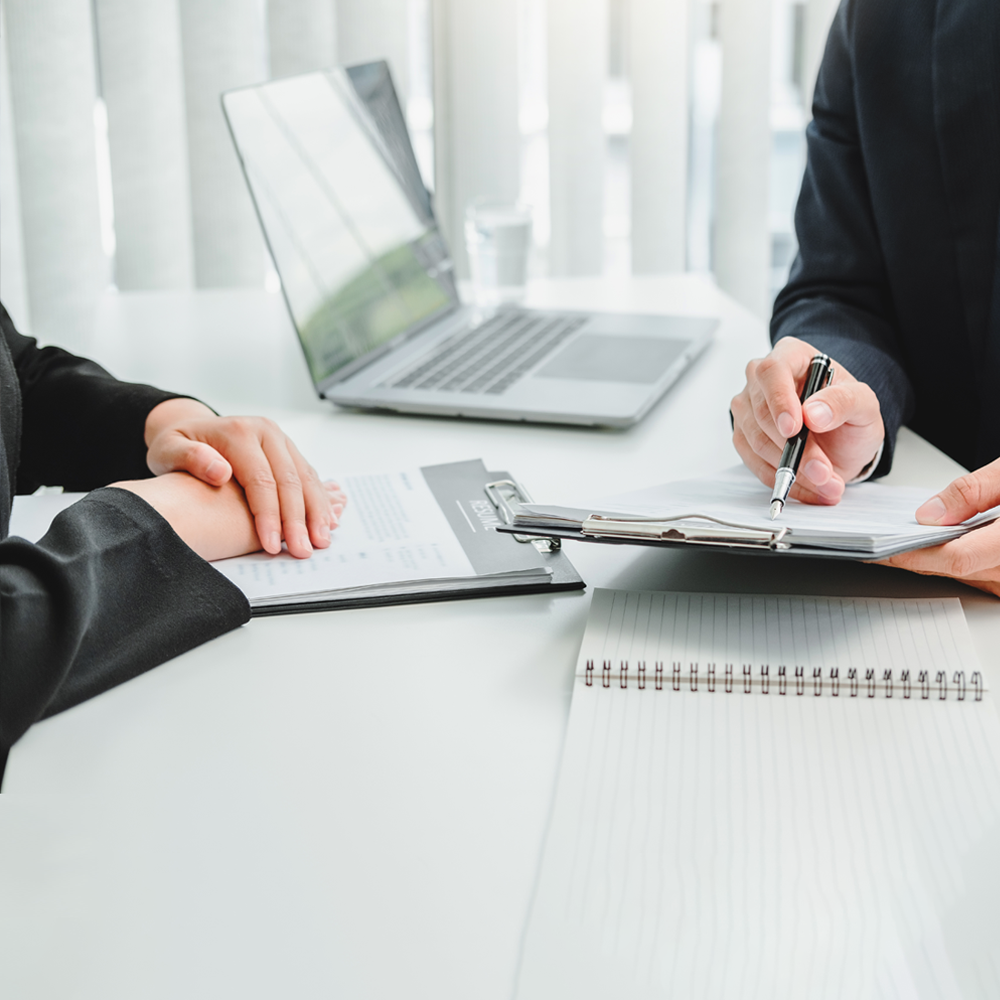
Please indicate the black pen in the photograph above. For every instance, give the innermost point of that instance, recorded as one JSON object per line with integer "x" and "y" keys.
{"x": 819, "y": 377}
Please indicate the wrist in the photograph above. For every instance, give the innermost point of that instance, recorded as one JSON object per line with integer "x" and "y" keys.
{"x": 867, "y": 470}
{"x": 214, "y": 521}
{"x": 171, "y": 412}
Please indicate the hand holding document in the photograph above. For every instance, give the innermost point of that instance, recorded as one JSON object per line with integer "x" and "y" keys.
{"x": 731, "y": 510}
{"x": 974, "y": 559}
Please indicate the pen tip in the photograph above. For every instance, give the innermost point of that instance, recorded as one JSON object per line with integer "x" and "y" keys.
{"x": 776, "y": 506}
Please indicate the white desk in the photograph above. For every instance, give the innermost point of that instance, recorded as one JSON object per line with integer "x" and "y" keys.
{"x": 352, "y": 804}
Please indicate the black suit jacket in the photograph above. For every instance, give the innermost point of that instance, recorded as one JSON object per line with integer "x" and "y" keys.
{"x": 898, "y": 220}
{"x": 111, "y": 590}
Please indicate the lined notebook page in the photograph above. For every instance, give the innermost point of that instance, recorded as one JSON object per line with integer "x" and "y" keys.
{"x": 730, "y": 845}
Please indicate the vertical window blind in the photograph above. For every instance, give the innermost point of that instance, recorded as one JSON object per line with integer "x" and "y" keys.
{"x": 669, "y": 127}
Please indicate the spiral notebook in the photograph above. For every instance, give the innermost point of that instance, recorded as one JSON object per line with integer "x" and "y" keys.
{"x": 767, "y": 797}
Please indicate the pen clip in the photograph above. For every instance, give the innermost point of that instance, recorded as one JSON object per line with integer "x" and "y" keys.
{"x": 819, "y": 376}
{"x": 507, "y": 495}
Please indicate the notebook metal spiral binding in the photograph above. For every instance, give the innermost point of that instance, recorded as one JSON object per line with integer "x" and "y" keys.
{"x": 821, "y": 682}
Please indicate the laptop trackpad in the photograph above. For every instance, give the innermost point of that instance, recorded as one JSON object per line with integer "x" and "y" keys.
{"x": 614, "y": 359}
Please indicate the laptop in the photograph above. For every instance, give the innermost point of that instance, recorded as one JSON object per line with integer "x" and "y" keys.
{"x": 370, "y": 284}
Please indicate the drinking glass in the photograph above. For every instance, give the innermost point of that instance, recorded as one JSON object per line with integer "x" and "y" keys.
{"x": 498, "y": 239}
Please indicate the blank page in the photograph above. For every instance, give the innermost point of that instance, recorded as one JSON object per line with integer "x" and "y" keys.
{"x": 750, "y": 845}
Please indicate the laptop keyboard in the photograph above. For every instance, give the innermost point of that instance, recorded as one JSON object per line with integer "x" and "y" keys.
{"x": 489, "y": 358}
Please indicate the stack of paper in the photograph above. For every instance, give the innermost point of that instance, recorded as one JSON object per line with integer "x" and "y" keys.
{"x": 872, "y": 520}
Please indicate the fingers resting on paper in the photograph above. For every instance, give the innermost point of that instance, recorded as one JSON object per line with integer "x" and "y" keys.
{"x": 844, "y": 421}
{"x": 975, "y": 557}
{"x": 284, "y": 493}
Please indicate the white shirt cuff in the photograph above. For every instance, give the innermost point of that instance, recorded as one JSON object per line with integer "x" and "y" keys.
{"x": 869, "y": 469}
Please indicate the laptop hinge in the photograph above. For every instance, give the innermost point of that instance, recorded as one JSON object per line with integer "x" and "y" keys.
{"x": 360, "y": 364}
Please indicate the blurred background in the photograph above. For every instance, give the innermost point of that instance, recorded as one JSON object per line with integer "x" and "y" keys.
{"x": 650, "y": 136}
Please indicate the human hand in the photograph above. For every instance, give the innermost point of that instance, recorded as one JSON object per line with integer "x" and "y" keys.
{"x": 215, "y": 521}
{"x": 844, "y": 421}
{"x": 975, "y": 557}
{"x": 283, "y": 491}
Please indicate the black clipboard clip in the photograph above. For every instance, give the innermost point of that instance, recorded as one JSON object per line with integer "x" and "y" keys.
{"x": 507, "y": 495}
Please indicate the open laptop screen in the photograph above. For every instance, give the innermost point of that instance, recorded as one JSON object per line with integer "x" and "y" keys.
{"x": 345, "y": 214}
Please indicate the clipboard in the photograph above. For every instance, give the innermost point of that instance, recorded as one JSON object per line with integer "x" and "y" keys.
{"x": 705, "y": 531}
{"x": 477, "y": 503}
{"x": 728, "y": 512}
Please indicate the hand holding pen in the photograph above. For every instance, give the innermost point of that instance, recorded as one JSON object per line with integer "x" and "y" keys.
{"x": 843, "y": 419}
{"x": 819, "y": 377}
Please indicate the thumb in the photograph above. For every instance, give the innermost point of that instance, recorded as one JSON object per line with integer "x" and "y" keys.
{"x": 968, "y": 495}
{"x": 174, "y": 452}
{"x": 851, "y": 402}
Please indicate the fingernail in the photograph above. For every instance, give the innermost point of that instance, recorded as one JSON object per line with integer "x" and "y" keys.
{"x": 820, "y": 415}
{"x": 215, "y": 469}
{"x": 818, "y": 472}
{"x": 273, "y": 542}
{"x": 932, "y": 512}
{"x": 786, "y": 424}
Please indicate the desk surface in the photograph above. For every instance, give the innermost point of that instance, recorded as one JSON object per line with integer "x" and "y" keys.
{"x": 353, "y": 803}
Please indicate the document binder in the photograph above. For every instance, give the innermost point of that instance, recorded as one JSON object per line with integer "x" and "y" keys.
{"x": 730, "y": 512}
{"x": 456, "y": 531}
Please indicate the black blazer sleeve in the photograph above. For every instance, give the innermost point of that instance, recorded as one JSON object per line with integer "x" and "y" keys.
{"x": 108, "y": 593}
{"x": 111, "y": 590}
{"x": 80, "y": 427}
{"x": 838, "y": 294}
